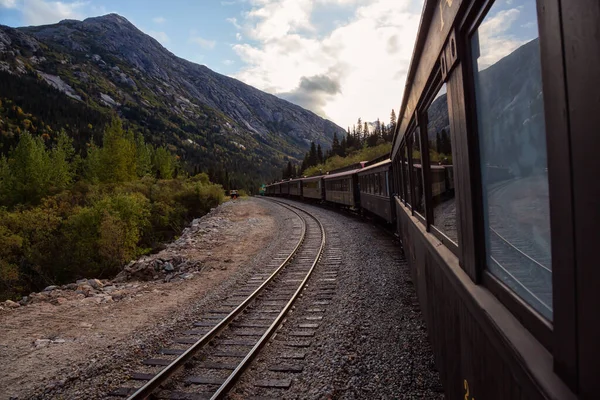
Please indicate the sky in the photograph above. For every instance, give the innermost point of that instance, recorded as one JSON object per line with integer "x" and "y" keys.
{"x": 342, "y": 59}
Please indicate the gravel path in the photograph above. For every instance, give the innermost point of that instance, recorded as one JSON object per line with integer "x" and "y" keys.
{"x": 371, "y": 342}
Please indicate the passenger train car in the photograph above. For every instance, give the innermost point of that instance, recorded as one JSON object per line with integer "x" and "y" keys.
{"x": 374, "y": 187}
{"x": 491, "y": 188}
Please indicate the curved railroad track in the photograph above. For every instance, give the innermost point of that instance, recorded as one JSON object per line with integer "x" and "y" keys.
{"x": 224, "y": 341}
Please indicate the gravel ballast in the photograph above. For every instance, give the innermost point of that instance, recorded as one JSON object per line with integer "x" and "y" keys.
{"x": 371, "y": 342}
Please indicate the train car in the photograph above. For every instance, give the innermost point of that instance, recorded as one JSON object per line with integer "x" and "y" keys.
{"x": 313, "y": 188}
{"x": 284, "y": 189}
{"x": 375, "y": 190}
{"x": 295, "y": 188}
{"x": 488, "y": 136}
{"x": 342, "y": 188}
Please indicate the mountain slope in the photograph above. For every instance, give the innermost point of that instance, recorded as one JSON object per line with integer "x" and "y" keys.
{"x": 108, "y": 65}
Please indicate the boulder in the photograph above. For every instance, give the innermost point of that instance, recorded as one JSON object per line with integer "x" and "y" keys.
{"x": 11, "y": 304}
{"x": 60, "y": 300}
{"x": 95, "y": 283}
{"x": 50, "y": 288}
{"x": 168, "y": 267}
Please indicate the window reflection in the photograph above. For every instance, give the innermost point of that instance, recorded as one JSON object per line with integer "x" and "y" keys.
{"x": 440, "y": 165}
{"x": 405, "y": 174}
{"x": 417, "y": 172}
{"x": 510, "y": 114}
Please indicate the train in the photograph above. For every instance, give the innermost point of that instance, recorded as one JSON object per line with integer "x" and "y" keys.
{"x": 489, "y": 187}
{"x": 364, "y": 188}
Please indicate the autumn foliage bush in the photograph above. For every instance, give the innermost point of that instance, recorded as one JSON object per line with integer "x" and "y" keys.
{"x": 66, "y": 217}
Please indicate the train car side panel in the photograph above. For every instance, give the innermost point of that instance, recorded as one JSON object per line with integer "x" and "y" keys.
{"x": 312, "y": 188}
{"x": 478, "y": 344}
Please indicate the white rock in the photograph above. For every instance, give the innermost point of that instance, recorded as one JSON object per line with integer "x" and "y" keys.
{"x": 42, "y": 343}
{"x": 11, "y": 304}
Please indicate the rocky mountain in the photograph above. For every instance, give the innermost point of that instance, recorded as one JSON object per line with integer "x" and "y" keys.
{"x": 105, "y": 66}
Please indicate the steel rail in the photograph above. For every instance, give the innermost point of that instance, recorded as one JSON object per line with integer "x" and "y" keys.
{"x": 147, "y": 389}
{"x": 520, "y": 251}
{"x": 230, "y": 381}
{"x": 514, "y": 278}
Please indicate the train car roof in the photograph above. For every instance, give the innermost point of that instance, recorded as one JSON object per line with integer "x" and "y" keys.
{"x": 312, "y": 178}
{"x": 341, "y": 174}
{"x": 379, "y": 164}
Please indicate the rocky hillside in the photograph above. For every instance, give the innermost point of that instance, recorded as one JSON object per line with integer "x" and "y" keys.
{"x": 105, "y": 65}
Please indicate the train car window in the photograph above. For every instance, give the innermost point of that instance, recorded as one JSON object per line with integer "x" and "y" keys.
{"x": 406, "y": 175}
{"x": 417, "y": 174}
{"x": 512, "y": 140}
{"x": 440, "y": 166}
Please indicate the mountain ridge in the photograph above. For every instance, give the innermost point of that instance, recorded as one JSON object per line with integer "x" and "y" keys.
{"x": 111, "y": 66}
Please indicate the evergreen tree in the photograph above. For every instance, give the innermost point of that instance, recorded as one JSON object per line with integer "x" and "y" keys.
{"x": 392, "y": 122}
{"x": 374, "y": 137}
{"x": 319, "y": 154}
{"x": 335, "y": 145}
{"x": 63, "y": 163}
{"x": 143, "y": 157}
{"x": 289, "y": 171}
{"x": 359, "y": 132}
{"x": 349, "y": 138}
{"x": 312, "y": 155}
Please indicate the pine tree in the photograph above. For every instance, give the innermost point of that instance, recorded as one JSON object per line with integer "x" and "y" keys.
{"x": 359, "y": 132}
{"x": 62, "y": 163}
{"x": 143, "y": 157}
{"x": 289, "y": 171}
{"x": 335, "y": 145}
{"x": 392, "y": 122}
{"x": 312, "y": 155}
{"x": 348, "y": 140}
{"x": 319, "y": 154}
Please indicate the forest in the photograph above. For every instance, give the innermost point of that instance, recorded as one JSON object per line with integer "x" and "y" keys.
{"x": 360, "y": 144}
{"x": 68, "y": 214}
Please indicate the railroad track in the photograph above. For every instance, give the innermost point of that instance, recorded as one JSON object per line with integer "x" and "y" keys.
{"x": 524, "y": 274}
{"x": 208, "y": 359}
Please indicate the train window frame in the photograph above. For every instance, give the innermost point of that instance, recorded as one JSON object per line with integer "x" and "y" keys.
{"x": 416, "y": 133}
{"x": 403, "y": 174}
{"x": 540, "y": 327}
{"x": 430, "y": 92}
{"x": 408, "y": 170}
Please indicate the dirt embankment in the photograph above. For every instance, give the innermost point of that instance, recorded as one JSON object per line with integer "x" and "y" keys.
{"x": 69, "y": 328}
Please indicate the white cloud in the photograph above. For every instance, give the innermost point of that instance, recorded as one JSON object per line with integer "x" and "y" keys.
{"x": 495, "y": 40}
{"x": 159, "y": 20}
{"x": 162, "y": 37}
{"x": 228, "y": 62}
{"x": 41, "y": 12}
{"x": 204, "y": 43}
{"x": 356, "y": 70}
{"x": 8, "y": 3}
{"x": 234, "y": 22}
